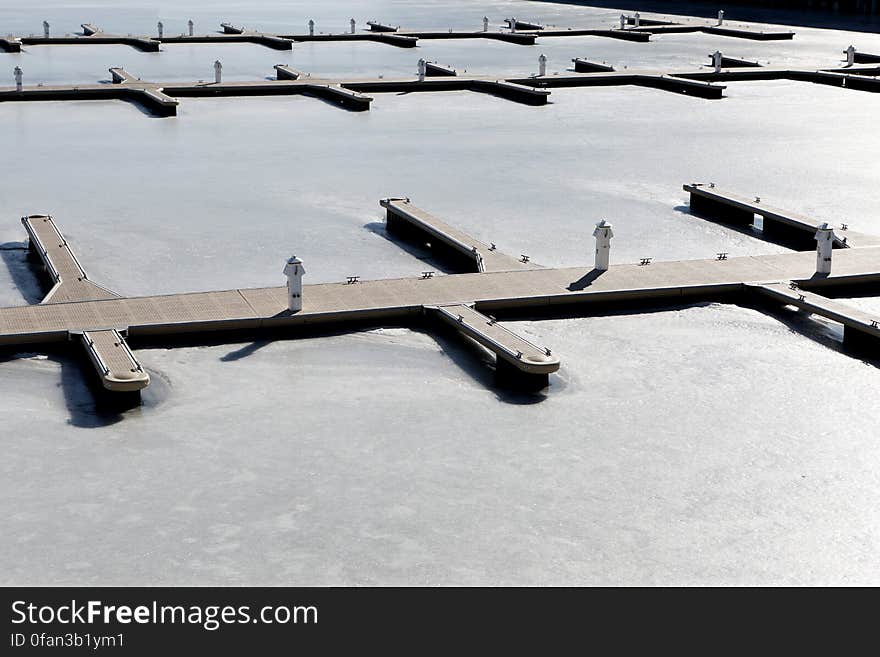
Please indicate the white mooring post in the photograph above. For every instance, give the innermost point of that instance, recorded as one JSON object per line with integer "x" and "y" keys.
{"x": 46, "y": 29}
{"x": 294, "y": 270}
{"x": 18, "y": 78}
{"x": 513, "y": 25}
{"x": 622, "y": 22}
{"x": 603, "y": 235}
{"x": 542, "y": 64}
{"x": 311, "y": 27}
{"x": 160, "y": 28}
{"x": 721, "y": 17}
{"x": 824, "y": 247}
{"x": 190, "y": 25}
{"x": 636, "y": 19}
{"x": 716, "y": 61}
{"x": 485, "y": 23}
{"x": 218, "y": 72}
{"x": 352, "y": 23}
{"x": 850, "y": 55}
{"x": 423, "y": 69}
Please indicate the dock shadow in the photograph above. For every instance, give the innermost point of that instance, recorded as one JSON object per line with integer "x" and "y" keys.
{"x": 89, "y": 404}
{"x": 795, "y": 243}
{"x": 805, "y": 324}
{"x": 423, "y": 254}
{"x": 15, "y": 256}
{"x": 477, "y": 363}
{"x": 245, "y": 351}
{"x": 144, "y": 109}
{"x": 584, "y": 281}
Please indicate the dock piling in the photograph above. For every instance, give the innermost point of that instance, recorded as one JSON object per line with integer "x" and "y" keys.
{"x": 485, "y": 23}
{"x": 160, "y": 29}
{"x": 850, "y": 55}
{"x": 352, "y": 24}
{"x": 542, "y": 65}
{"x": 218, "y": 72}
{"x": 423, "y": 69}
{"x": 311, "y": 27}
{"x": 720, "y": 17}
{"x": 637, "y": 19}
{"x": 603, "y": 235}
{"x": 46, "y": 29}
{"x": 717, "y": 58}
{"x": 622, "y": 22}
{"x": 18, "y": 77}
{"x": 824, "y": 248}
{"x": 190, "y": 25}
{"x": 294, "y": 271}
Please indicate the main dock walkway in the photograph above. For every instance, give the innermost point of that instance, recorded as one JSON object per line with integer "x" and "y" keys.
{"x": 525, "y": 33}
{"x": 335, "y": 304}
{"x": 500, "y": 284}
{"x": 161, "y": 97}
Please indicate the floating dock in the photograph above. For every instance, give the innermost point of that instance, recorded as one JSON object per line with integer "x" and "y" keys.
{"x": 115, "y": 364}
{"x": 515, "y": 292}
{"x": 516, "y": 359}
{"x": 690, "y": 25}
{"x": 69, "y": 281}
{"x": 515, "y": 24}
{"x": 635, "y": 78}
{"x": 160, "y": 98}
{"x": 499, "y": 284}
{"x": 10, "y": 44}
{"x": 861, "y": 330}
{"x": 711, "y": 202}
{"x": 526, "y": 33}
{"x": 467, "y": 253}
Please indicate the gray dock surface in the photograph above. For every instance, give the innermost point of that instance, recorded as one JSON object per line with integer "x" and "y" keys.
{"x": 69, "y": 280}
{"x": 114, "y": 362}
{"x": 335, "y": 304}
{"x": 518, "y": 352}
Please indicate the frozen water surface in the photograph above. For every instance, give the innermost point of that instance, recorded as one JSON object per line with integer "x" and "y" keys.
{"x": 710, "y": 444}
